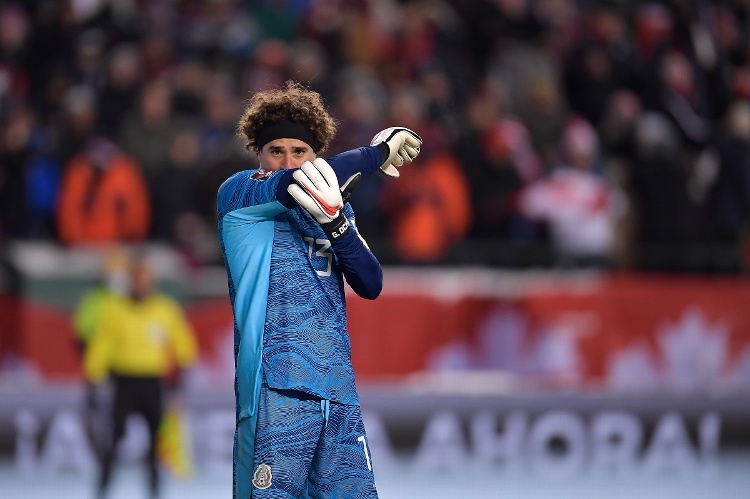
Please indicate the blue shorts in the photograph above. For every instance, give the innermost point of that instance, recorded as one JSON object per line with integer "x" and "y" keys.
{"x": 304, "y": 447}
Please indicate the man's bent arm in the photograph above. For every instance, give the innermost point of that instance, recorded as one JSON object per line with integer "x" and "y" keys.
{"x": 365, "y": 160}
{"x": 361, "y": 269}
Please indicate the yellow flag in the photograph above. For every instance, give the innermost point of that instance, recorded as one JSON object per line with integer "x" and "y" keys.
{"x": 173, "y": 445}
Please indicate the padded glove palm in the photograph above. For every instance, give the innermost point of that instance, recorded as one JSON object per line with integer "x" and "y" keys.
{"x": 316, "y": 190}
{"x": 403, "y": 146}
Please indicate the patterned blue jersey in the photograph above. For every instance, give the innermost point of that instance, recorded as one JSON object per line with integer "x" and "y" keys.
{"x": 287, "y": 294}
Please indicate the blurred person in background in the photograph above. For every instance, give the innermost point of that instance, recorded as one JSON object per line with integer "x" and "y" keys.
{"x": 289, "y": 244}
{"x": 729, "y": 26}
{"x": 89, "y": 59}
{"x": 267, "y": 67}
{"x": 174, "y": 185}
{"x": 503, "y": 165}
{"x": 122, "y": 85}
{"x": 653, "y": 27}
{"x": 361, "y": 102}
{"x": 441, "y": 94}
{"x": 600, "y": 62}
{"x": 42, "y": 174}
{"x": 147, "y": 131}
{"x": 157, "y": 46}
{"x": 580, "y": 207}
{"x": 190, "y": 80}
{"x": 29, "y": 178}
{"x": 496, "y": 153}
{"x": 279, "y": 19}
{"x": 113, "y": 283}
{"x": 666, "y": 216}
{"x": 680, "y": 68}
{"x": 428, "y": 212}
{"x": 15, "y": 151}
{"x": 178, "y": 218}
{"x": 15, "y": 58}
{"x": 103, "y": 198}
{"x": 681, "y": 99}
{"x": 529, "y": 68}
{"x": 729, "y": 198}
{"x": 76, "y": 123}
{"x": 76, "y": 65}
{"x": 217, "y": 130}
{"x": 618, "y": 126}
{"x": 617, "y": 131}
{"x": 50, "y": 47}
{"x": 142, "y": 342}
{"x": 310, "y": 64}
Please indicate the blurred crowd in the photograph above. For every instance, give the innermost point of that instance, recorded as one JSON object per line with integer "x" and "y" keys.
{"x": 614, "y": 133}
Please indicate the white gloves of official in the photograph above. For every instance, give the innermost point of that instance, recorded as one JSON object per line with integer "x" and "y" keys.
{"x": 403, "y": 145}
{"x": 316, "y": 190}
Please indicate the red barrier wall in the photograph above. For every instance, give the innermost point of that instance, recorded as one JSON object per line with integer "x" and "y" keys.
{"x": 558, "y": 333}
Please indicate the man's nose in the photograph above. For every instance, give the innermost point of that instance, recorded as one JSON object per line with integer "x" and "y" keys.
{"x": 289, "y": 161}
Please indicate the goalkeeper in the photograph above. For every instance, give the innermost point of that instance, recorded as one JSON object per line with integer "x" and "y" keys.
{"x": 290, "y": 241}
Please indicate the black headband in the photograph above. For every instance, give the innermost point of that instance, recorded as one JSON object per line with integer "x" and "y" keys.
{"x": 285, "y": 129}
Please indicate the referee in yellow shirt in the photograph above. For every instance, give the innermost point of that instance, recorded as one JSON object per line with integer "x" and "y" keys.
{"x": 141, "y": 338}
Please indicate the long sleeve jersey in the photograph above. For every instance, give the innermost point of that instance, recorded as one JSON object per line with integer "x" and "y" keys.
{"x": 286, "y": 285}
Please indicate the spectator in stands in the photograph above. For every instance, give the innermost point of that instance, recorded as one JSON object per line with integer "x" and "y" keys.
{"x": 77, "y": 122}
{"x": 730, "y": 194}
{"x": 178, "y": 217}
{"x": 617, "y": 126}
{"x": 190, "y": 79}
{"x": 580, "y": 207}
{"x": 89, "y": 68}
{"x": 29, "y": 177}
{"x": 600, "y": 63}
{"x": 121, "y": 87}
{"x": 148, "y": 130}
{"x": 15, "y": 151}
{"x": 15, "y": 62}
{"x": 429, "y": 210}
{"x": 221, "y": 109}
{"x": 77, "y": 66}
{"x": 682, "y": 101}
{"x": 361, "y": 102}
{"x": 311, "y": 65}
{"x": 158, "y": 50}
{"x": 103, "y": 198}
{"x": 504, "y": 164}
{"x": 174, "y": 185}
{"x": 140, "y": 340}
{"x": 533, "y": 77}
{"x": 617, "y": 131}
{"x": 668, "y": 217}
{"x": 267, "y": 67}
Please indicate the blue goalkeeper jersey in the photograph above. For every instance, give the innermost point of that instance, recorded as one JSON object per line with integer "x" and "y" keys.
{"x": 287, "y": 292}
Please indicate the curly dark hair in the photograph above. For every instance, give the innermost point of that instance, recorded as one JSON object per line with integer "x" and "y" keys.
{"x": 294, "y": 101}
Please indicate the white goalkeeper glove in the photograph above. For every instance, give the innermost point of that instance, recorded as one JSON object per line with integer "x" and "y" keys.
{"x": 403, "y": 146}
{"x": 316, "y": 190}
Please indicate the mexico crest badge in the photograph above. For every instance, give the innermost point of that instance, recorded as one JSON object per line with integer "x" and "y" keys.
{"x": 262, "y": 476}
